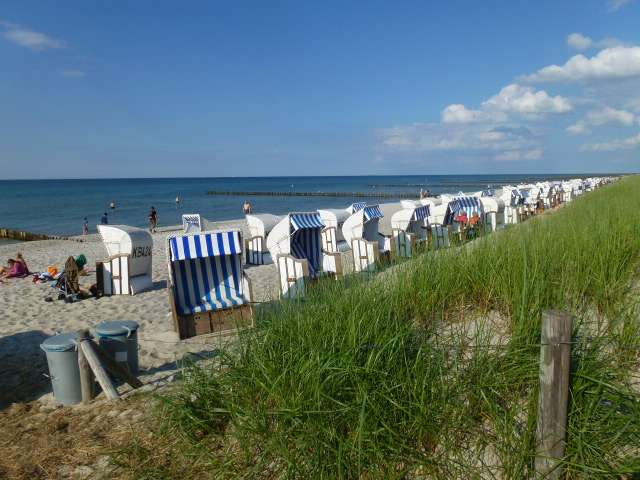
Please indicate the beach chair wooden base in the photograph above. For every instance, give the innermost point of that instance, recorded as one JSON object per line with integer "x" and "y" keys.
{"x": 403, "y": 244}
{"x": 218, "y": 321}
{"x": 293, "y": 274}
{"x": 332, "y": 264}
{"x": 366, "y": 255}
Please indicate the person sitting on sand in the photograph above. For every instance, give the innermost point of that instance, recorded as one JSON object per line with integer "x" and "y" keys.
{"x": 16, "y": 270}
{"x": 462, "y": 218}
{"x": 7, "y": 267}
{"x": 20, "y": 258}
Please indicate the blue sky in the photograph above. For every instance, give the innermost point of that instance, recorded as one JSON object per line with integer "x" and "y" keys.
{"x": 154, "y": 88}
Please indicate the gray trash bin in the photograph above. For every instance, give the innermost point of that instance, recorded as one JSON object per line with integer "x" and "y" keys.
{"x": 62, "y": 357}
{"x": 120, "y": 339}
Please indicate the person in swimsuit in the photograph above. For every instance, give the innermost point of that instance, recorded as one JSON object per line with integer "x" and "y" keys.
{"x": 153, "y": 220}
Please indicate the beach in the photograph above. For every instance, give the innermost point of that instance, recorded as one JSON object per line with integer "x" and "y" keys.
{"x": 27, "y": 319}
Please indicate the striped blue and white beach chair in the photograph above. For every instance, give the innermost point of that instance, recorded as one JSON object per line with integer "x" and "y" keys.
{"x": 460, "y": 204}
{"x": 296, "y": 245}
{"x": 208, "y": 289}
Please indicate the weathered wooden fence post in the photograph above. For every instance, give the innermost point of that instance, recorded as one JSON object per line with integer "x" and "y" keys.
{"x": 555, "y": 364}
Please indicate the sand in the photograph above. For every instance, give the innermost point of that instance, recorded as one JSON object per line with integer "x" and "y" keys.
{"x": 27, "y": 319}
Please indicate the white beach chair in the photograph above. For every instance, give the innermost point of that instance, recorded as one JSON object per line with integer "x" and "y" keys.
{"x": 127, "y": 270}
{"x": 409, "y": 228}
{"x": 332, "y": 238}
{"x": 360, "y": 230}
{"x": 259, "y": 227}
{"x": 296, "y": 245}
{"x": 208, "y": 290}
{"x": 191, "y": 223}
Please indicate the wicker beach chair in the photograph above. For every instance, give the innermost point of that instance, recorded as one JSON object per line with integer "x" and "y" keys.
{"x": 409, "y": 229}
{"x": 296, "y": 245}
{"x": 208, "y": 289}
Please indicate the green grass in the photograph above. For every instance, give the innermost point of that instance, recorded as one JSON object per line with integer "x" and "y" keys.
{"x": 380, "y": 378}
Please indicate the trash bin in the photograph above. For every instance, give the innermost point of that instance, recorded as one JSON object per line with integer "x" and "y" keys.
{"x": 120, "y": 339}
{"x": 62, "y": 358}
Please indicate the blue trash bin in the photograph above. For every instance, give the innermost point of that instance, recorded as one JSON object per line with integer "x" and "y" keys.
{"x": 120, "y": 339}
{"x": 62, "y": 358}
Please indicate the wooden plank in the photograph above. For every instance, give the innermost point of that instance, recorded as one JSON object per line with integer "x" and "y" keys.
{"x": 101, "y": 375}
{"x": 87, "y": 380}
{"x": 555, "y": 364}
{"x": 115, "y": 367}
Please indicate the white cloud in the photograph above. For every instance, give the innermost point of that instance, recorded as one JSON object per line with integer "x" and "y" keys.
{"x": 28, "y": 38}
{"x": 578, "y": 128}
{"x": 515, "y": 98}
{"x": 458, "y": 113}
{"x": 579, "y": 41}
{"x": 73, "y": 73}
{"x": 610, "y": 63}
{"x": 615, "y": 5}
{"x": 600, "y": 117}
{"x": 493, "y": 130}
{"x": 620, "y": 144}
{"x": 515, "y": 155}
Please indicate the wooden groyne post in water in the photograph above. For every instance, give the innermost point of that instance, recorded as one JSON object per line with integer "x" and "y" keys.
{"x": 317, "y": 194}
{"x": 31, "y": 237}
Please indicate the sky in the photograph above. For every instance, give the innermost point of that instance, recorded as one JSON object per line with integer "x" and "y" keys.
{"x": 163, "y": 89}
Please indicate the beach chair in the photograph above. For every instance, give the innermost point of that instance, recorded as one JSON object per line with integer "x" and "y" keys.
{"x": 360, "y": 230}
{"x": 127, "y": 270}
{"x": 332, "y": 238}
{"x": 259, "y": 228}
{"x": 296, "y": 245}
{"x": 208, "y": 290}
{"x": 409, "y": 228}
{"x": 191, "y": 223}
{"x": 468, "y": 204}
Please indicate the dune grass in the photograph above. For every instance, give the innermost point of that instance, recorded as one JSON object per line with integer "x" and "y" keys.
{"x": 429, "y": 369}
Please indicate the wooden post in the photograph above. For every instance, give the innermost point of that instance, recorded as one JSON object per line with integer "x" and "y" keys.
{"x": 103, "y": 379}
{"x": 555, "y": 364}
{"x": 87, "y": 380}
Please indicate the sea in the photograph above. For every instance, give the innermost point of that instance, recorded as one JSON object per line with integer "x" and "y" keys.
{"x": 58, "y": 207}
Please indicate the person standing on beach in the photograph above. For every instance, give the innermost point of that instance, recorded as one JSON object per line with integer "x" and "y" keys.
{"x": 247, "y": 208}
{"x": 104, "y": 220}
{"x": 112, "y": 205}
{"x": 85, "y": 227}
{"x": 153, "y": 220}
